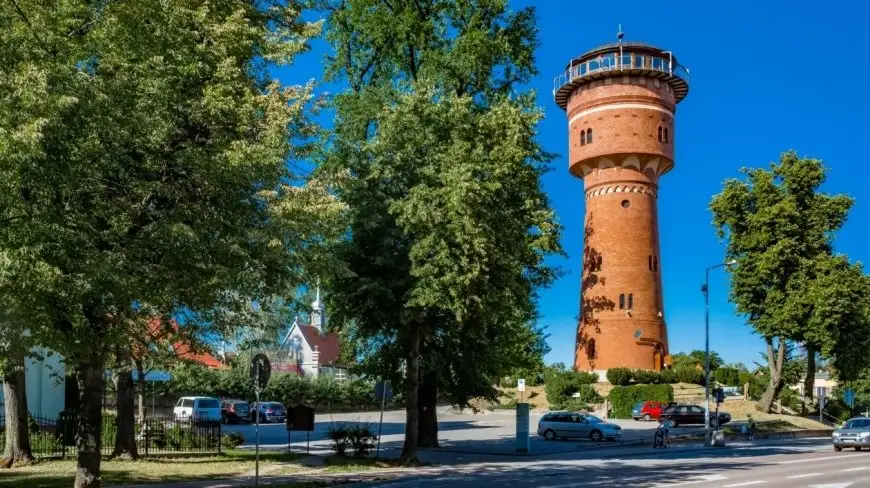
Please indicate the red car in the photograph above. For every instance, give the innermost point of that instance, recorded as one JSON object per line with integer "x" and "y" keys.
{"x": 648, "y": 410}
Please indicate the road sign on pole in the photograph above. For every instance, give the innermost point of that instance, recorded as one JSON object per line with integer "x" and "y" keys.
{"x": 382, "y": 391}
{"x": 521, "y": 384}
{"x": 261, "y": 371}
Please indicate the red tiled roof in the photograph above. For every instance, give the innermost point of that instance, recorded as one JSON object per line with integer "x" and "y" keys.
{"x": 158, "y": 333}
{"x": 328, "y": 345}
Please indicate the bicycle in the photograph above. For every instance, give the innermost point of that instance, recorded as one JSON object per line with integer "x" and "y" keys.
{"x": 661, "y": 439}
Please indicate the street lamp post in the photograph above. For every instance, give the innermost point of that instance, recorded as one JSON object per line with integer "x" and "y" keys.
{"x": 706, "y": 290}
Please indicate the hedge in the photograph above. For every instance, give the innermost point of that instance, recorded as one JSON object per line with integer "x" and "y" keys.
{"x": 623, "y": 398}
{"x": 325, "y": 393}
{"x": 620, "y": 376}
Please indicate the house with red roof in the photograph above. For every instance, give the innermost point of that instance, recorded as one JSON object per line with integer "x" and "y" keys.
{"x": 307, "y": 349}
{"x": 184, "y": 348}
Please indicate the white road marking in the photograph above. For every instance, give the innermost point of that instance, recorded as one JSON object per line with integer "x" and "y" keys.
{"x": 801, "y": 461}
{"x": 832, "y": 485}
{"x": 745, "y": 483}
{"x": 862, "y": 468}
{"x": 806, "y": 475}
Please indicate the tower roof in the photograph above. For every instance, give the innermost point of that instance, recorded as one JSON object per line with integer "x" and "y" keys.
{"x": 621, "y": 59}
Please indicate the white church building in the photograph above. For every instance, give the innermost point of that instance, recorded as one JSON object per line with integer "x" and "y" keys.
{"x": 307, "y": 349}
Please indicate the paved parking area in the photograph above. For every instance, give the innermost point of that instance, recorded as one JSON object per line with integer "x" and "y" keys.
{"x": 491, "y": 433}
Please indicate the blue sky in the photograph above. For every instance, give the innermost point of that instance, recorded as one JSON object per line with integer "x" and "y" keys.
{"x": 765, "y": 77}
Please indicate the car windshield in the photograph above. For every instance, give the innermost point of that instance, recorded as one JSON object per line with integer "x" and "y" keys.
{"x": 858, "y": 424}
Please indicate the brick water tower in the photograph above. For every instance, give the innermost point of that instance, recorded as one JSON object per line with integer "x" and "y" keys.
{"x": 620, "y": 100}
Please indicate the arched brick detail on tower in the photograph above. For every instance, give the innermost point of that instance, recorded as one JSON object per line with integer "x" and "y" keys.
{"x": 629, "y": 106}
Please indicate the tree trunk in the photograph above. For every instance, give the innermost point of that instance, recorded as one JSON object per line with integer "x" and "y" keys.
{"x": 412, "y": 382}
{"x": 428, "y": 401}
{"x": 140, "y": 388}
{"x": 810, "y": 380}
{"x": 17, "y": 451}
{"x": 89, "y": 429}
{"x": 125, "y": 420}
{"x": 775, "y": 362}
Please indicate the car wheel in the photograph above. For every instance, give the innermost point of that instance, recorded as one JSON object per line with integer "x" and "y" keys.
{"x": 549, "y": 435}
{"x": 646, "y": 417}
{"x": 838, "y": 448}
{"x": 596, "y": 436}
{"x": 858, "y": 448}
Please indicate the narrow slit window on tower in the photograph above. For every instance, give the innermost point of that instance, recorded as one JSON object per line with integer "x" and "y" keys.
{"x": 590, "y": 349}
{"x": 666, "y": 135}
{"x": 622, "y": 301}
{"x": 650, "y": 262}
{"x": 598, "y": 263}
{"x": 655, "y": 264}
{"x": 583, "y": 137}
{"x": 589, "y": 135}
{"x": 630, "y": 301}
{"x": 660, "y": 134}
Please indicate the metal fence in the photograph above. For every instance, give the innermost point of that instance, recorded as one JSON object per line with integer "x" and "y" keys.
{"x": 55, "y": 437}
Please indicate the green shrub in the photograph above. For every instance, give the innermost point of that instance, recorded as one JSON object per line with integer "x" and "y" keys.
{"x": 727, "y": 376}
{"x": 360, "y": 438}
{"x": 562, "y": 385}
{"x": 688, "y": 374}
{"x": 232, "y": 440}
{"x": 623, "y": 398}
{"x": 620, "y": 376}
{"x": 647, "y": 377}
{"x": 587, "y": 395}
{"x": 186, "y": 439}
{"x": 668, "y": 377}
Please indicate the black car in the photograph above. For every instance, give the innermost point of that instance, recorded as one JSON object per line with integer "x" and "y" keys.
{"x": 269, "y": 412}
{"x": 692, "y": 415}
{"x": 234, "y": 411}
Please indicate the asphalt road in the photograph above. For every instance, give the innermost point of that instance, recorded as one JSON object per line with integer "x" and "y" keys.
{"x": 799, "y": 464}
{"x": 493, "y": 433}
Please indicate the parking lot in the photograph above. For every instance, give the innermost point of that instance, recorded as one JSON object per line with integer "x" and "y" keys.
{"x": 490, "y": 433}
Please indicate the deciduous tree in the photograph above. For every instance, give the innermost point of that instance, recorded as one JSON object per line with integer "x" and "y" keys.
{"x": 141, "y": 147}
{"x": 779, "y": 228}
{"x": 449, "y": 225}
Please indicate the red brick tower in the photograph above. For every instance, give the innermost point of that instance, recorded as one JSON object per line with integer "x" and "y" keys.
{"x": 620, "y": 101}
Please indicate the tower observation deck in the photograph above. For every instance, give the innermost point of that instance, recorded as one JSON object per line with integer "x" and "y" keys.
{"x": 620, "y": 100}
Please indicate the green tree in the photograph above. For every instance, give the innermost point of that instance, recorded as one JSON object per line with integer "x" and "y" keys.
{"x": 779, "y": 228}
{"x": 449, "y": 225}
{"x": 143, "y": 150}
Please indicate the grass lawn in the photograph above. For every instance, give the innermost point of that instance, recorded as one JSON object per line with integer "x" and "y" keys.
{"x": 60, "y": 474}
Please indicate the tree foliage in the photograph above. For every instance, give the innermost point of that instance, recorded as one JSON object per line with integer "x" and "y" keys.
{"x": 143, "y": 151}
{"x": 449, "y": 226}
{"x": 779, "y": 228}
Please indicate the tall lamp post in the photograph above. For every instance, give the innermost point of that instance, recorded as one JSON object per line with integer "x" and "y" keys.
{"x": 706, "y": 290}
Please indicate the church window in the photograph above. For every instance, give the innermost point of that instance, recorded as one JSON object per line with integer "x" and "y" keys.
{"x": 583, "y": 137}
{"x": 622, "y": 301}
{"x": 589, "y": 135}
{"x": 630, "y": 301}
{"x": 590, "y": 350}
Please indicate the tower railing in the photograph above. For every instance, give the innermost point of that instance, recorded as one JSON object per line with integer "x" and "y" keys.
{"x": 626, "y": 62}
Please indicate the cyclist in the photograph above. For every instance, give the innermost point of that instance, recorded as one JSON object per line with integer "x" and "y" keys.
{"x": 661, "y": 436}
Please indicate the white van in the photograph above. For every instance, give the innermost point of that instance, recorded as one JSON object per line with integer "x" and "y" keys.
{"x": 200, "y": 409}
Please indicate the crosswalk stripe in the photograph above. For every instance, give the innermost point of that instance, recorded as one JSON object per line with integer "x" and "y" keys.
{"x": 806, "y": 475}
{"x": 745, "y": 483}
{"x": 861, "y": 468}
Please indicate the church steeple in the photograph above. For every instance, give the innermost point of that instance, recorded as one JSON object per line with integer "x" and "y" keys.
{"x": 317, "y": 311}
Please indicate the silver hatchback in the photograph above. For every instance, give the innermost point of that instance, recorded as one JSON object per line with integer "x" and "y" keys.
{"x": 854, "y": 433}
{"x": 565, "y": 425}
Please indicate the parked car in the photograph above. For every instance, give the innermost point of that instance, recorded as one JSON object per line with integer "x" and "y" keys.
{"x": 649, "y": 410}
{"x": 565, "y": 425}
{"x": 233, "y": 411}
{"x": 200, "y": 409}
{"x": 692, "y": 415}
{"x": 854, "y": 433}
{"x": 269, "y": 412}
